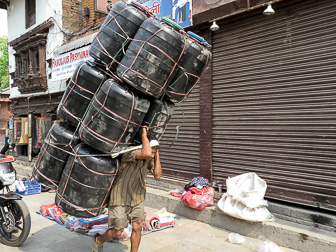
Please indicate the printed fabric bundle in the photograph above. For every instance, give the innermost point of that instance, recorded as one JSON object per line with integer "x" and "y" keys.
{"x": 51, "y": 211}
{"x": 160, "y": 220}
{"x": 198, "y": 194}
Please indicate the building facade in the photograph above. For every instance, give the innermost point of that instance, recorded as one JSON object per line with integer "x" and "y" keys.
{"x": 39, "y": 33}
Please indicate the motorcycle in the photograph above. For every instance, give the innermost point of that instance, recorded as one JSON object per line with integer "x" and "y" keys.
{"x": 15, "y": 219}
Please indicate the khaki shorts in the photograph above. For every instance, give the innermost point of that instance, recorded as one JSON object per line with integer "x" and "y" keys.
{"x": 120, "y": 216}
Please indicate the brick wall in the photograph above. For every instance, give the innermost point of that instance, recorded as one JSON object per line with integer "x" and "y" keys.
{"x": 74, "y": 18}
{"x": 72, "y": 15}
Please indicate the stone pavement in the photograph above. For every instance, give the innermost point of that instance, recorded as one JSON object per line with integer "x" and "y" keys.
{"x": 188, "y": 236}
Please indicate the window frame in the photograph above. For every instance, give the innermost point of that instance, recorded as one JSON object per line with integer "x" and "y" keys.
{"x": 30, "y": 14}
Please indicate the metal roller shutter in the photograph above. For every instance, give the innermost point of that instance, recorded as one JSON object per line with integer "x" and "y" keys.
{"x": 181, "y": 161}
{"x": 274, "y": 101}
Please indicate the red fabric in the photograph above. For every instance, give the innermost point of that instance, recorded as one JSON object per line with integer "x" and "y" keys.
{"x": 44, "y": 209}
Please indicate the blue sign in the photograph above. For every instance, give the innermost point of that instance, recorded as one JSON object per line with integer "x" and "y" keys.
{"x": 176, "y": 10}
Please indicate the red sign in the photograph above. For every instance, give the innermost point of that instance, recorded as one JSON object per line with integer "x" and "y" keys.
{"x": 7, "y": 159}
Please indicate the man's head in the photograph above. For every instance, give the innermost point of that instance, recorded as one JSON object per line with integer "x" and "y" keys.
{"x": 154, "y": 144}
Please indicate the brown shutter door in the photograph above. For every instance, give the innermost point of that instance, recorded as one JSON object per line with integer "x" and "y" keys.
{"x": 181, "y": 161}
{"x": 274, "y": 101}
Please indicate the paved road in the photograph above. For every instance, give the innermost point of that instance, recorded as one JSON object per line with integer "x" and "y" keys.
{"x": 187, "y": 236}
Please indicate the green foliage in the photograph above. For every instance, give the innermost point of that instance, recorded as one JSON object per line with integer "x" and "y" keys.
{"x": 4, "y": 69}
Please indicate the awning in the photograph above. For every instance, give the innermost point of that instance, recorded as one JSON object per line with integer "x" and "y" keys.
{"x": 75, "y": 44}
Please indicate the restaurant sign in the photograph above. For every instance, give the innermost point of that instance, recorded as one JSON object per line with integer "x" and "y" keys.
{"x": 64, "y": 65}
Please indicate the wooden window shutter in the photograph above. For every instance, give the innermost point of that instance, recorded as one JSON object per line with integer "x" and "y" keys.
{"x": 30, "y": 13}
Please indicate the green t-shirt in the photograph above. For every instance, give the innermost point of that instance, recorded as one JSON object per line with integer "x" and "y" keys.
{"x": 129, "y": 187}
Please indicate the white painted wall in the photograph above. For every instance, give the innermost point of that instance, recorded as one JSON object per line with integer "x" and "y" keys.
{"x": 45, "y": 10}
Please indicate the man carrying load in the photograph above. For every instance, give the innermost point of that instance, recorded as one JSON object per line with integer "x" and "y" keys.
{"x": 128, "y": 193}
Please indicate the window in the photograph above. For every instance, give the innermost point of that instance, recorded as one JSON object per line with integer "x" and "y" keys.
{"x": 30, "y": 13}
{"x": 101, "y": 5}
{"x": 30, "y": 60}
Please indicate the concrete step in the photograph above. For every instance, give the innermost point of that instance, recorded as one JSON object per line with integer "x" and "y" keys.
{"x": 283, "y": 233}
{"x": 305, "y": 216}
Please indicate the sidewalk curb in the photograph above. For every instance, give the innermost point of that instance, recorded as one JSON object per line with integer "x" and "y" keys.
{"x": 283, "y": 233}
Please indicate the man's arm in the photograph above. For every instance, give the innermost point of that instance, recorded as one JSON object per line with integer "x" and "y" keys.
{"x": 157, "y": 166}
{"x": 146, "y": 151}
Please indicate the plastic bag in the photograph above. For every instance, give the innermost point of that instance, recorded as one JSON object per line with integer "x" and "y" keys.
{"x": 176, "y": 192}
{"x": 198, "y": 201}
{"x": 126, "y": 234}
{"x": 264, "y": 245}
{"x": 19, "y": 185}
{"x": 163, "y": 216}
{"x": 236, "y": 238}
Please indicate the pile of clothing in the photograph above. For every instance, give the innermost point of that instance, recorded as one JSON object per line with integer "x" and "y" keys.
{"x": 91, "y": 226}
{"x": 198, "y": 194}
{"x": 160, "y": 220}
{"x": 84, "y": 225}
{"x": 52, "y": 212}
{"x": 79, "y": 225}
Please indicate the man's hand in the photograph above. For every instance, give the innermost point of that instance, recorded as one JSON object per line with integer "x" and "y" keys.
{"x": 146, "y": 151}
{"x": 145, "y": 131}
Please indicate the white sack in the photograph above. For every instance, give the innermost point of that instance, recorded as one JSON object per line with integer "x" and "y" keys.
{"x": 244, "y": 198}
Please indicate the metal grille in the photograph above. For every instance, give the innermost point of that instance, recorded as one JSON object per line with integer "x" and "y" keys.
{"x": 274, "y": 101}
{"x": 181, "y": 161}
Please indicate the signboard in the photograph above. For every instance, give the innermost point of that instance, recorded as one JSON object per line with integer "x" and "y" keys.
{"x": 64, "y": 65}
{"x": 179, "y": 11}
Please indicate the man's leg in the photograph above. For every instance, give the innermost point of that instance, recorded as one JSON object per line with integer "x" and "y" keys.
{"x": 108, "y": 236}
{"x": 117, "y": 219}
{"x": 136, "y": 235}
